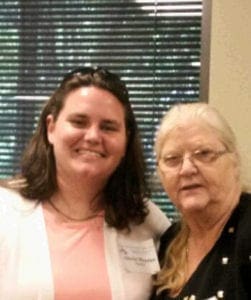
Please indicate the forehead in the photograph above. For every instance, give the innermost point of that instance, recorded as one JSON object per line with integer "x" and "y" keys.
{"x": 192, "y": 134}
{"x": 93, "y": 100}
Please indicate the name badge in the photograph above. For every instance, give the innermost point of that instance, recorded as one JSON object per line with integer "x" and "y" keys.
{"x": 139, "y": 257}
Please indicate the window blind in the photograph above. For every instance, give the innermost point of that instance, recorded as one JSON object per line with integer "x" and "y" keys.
{"x": 153, "y": 45}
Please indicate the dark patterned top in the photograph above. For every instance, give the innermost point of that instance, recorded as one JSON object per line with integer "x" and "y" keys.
{"x": 225, "y": 272}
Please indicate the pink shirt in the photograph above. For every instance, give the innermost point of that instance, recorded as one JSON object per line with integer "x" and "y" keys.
{"x": 78, "y": 258}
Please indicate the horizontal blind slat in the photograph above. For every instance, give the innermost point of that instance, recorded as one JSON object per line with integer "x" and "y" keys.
{"x": 153, "y": 45}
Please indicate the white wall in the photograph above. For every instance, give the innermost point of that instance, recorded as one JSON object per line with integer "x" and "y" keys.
{"x": 230, "y": 68}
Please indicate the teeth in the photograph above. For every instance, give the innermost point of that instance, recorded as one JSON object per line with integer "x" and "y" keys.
{"x": 93, "y": 153}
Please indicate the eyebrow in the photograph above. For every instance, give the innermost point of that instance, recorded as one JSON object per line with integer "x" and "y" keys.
{"x": 85, "y": 116}
{"x": 112, "y": 122}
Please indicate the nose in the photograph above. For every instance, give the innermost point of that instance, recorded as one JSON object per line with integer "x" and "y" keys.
{"x": 187, "y": 166}
{"x": 92, "y": 134}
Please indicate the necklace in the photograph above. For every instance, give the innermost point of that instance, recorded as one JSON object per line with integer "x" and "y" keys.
{"x": 68, "y": 217}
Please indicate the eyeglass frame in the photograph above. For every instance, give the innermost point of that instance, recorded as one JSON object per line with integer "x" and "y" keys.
{"x": 192, "y": 157}
{"x": 81, "y": 71}
{"x": 91, "y": 71}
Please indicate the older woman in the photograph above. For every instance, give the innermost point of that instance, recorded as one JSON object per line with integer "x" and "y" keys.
{"x": 207, "y": 254}
{"x": 76, "y": 224}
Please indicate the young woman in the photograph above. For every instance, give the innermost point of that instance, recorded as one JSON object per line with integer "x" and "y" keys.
{"x": 76, "y": 224}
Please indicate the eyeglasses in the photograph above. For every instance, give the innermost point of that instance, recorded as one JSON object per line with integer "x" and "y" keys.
{"x": 203, "y": 156}
{"x": 81, "y": 71}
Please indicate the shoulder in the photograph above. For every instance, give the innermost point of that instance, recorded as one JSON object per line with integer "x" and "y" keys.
{"x": 243, "y": 212}
{"x": 12, "y": 202}
{"x": 167, "y": 237}
{"x": 241, "y": 219}
{"x": 154, "y": 225}
{"x": 8, "y": 213}
{"x": 156, "y": 219}
{"x": 237, "y": 231}
{"x": 171, "y": 232}
{"x": 7, "y": 197}
{"x": 245, "y": 201}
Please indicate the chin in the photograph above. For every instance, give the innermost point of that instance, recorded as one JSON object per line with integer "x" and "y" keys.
{"x": 83, "y": 171}
{"x": 193, "y": 203}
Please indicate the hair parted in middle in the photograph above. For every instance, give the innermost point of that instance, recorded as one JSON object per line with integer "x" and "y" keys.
{"x": 126, "y": 190}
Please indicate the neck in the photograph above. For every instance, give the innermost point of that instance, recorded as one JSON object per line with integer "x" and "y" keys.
{"x": 80, "y": 185}
{"x": 77, "y": 200}
{"x": 67, "y": 215}
{"x": 212, "y": 218}
{"x": 75, "y": 206}
{"x": 202, "y": 229}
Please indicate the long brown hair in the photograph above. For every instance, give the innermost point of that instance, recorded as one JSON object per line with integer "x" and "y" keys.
{"x": 126, "y": 190}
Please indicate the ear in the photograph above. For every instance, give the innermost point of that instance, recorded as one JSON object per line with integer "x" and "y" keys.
{"x": 50, "y": 125}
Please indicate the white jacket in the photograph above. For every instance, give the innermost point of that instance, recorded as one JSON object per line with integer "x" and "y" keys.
{"x": 25, "y": 269}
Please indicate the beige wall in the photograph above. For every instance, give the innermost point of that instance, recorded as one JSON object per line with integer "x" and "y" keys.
{"x": 230, "y": 68}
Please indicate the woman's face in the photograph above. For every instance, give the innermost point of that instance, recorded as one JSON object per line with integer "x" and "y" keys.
{"x": 208, "y": 178}
{"x": 89, "y": 135}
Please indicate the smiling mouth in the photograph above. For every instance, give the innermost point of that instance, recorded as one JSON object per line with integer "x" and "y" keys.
{"x": 90, "y": 153}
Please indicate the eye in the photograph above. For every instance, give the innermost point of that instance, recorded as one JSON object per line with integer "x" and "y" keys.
{"x": 204, "y": 155}
{"x": 172, "y": 160}
{"x": 109, "y": 126}
{"x": 78, "y": 122}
